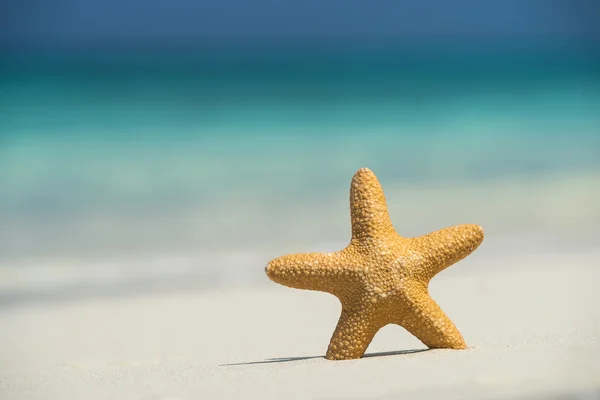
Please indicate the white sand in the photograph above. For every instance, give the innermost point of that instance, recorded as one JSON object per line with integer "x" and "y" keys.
{"x": 533, "y": 326}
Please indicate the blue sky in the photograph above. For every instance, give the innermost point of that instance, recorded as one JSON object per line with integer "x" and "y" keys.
{"x": 90, "y": 22}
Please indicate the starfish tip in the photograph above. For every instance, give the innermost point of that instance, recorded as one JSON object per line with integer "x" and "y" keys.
{"x": 283, "y": 270}
{"x": 363, "y": 172}
{"x": 476, "y": 232}
{"x": 271, "y": 270}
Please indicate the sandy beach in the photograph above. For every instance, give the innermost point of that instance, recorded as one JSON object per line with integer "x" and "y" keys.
{"x": 530, "y": 320}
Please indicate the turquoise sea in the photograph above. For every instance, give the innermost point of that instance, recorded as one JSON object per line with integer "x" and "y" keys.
{"x": 105, "y": 154}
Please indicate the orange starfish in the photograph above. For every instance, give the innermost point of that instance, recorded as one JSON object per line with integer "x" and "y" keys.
{"x": 380, "y": 277}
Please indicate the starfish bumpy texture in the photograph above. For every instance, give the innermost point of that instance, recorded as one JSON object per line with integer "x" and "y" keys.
{"x": 380, "y": 278}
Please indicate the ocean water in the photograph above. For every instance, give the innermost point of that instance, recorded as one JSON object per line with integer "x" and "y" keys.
{"x": 105, "y": 155}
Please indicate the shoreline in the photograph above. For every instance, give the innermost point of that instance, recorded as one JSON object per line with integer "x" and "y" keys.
{"x": 33, "y": 281}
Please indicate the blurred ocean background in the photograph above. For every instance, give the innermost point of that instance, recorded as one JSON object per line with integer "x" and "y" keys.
{"x": 147, "y": 167}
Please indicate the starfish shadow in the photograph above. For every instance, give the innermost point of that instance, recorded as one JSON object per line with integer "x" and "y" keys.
{"x": 290, "y": 359}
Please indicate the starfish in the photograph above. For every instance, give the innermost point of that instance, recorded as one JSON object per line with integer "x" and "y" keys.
{"x": 381, "y": 277}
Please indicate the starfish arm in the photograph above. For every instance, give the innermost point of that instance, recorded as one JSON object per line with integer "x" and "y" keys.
{"x": 368, "y": 209}
{"x": 427, "y": 322}
{"x": 354, "y": 332}
{"x": 323, "y": 272}
{"x": 445, "y": 247}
